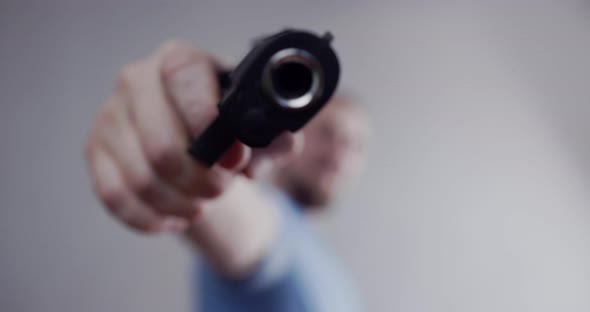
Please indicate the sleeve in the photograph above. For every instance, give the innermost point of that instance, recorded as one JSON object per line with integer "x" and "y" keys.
{"x": 272, "y": 286}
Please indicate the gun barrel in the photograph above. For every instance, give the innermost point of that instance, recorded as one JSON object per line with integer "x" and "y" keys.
{"x": 293, "y": 78}
{"x": 283, "y": 81}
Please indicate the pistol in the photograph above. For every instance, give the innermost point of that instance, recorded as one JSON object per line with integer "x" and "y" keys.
{"x": 283, "y": 81}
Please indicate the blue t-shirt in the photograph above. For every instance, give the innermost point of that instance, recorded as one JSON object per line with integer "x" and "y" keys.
{"x": 297, "y": 275}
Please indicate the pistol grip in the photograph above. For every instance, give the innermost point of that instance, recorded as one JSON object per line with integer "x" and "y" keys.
{"x": 213, "y": 142}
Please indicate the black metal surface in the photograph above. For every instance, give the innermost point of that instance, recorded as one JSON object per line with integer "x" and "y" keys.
{"x": 249, "y": 110}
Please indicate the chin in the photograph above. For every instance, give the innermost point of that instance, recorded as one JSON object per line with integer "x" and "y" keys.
{"x": 317, "y": 199}
{"x": 312, "y": 192}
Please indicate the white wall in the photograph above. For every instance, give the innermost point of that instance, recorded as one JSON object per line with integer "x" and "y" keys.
{"x": 476, "y": 195}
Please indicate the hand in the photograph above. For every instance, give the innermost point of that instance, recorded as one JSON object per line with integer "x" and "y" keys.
{"x": 136, "y": 150}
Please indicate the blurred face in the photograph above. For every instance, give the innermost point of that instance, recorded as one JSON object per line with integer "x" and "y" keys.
{"x": 333, "y": 154}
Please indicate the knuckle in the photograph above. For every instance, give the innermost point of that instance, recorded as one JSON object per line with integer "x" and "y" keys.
{"x": 113, "y": 198}
{"x": 162, "y": 156}
{"x": 212, "y": 191}
{"x": 106, "y": 118}
{"x": 144, "y": 185}
{"x": 127, "y": 74}
{"x": 214, "y": 187}
{"x": 105, "y": 124}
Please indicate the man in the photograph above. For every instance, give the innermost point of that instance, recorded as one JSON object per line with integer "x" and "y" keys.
{"x": 261, "y": 255}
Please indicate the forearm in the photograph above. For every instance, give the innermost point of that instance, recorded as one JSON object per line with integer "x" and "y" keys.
{"x": 235, "y": 231}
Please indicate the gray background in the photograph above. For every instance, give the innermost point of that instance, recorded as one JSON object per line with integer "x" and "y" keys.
{"x": 476, "y": 197}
